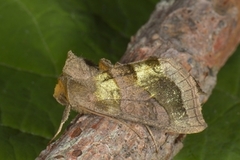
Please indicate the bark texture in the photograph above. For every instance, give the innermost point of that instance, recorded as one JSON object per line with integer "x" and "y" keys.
{"x": 200, "y": 35}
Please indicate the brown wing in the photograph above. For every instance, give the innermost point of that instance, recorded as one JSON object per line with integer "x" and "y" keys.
{"x": 157, "y": 92}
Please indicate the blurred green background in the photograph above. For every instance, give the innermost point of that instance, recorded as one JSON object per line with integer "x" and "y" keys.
{"x": 35, "y": 37}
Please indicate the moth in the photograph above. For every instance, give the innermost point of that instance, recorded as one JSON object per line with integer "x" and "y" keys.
{"x": 156, "y": 92}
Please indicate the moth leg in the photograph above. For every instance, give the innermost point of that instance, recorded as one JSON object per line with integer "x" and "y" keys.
{"x": 124, "y": 123}
{"x": 153, "y": 139}
{"x": 64, "y": 119}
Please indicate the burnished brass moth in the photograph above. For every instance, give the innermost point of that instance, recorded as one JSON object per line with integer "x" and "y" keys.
{"x": 154, "y": 92}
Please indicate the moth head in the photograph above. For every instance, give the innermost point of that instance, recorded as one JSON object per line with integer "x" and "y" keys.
{"x": 60, "y": 93}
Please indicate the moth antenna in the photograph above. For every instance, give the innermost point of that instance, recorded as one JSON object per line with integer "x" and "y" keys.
{"x": 153, "y": 139}
{"x": 64, "y": 119}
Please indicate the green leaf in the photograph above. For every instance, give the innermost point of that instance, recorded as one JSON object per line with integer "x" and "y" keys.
{"x": 35, "y": 38}
{"x": 16, "y": 144}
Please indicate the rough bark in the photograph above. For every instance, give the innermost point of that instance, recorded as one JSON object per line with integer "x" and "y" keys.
{"x": 200, "y": 35}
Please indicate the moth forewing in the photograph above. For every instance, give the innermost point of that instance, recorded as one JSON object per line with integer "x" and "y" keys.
{"x": 194, "y": 121}
{"x": 139, "y": 84}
